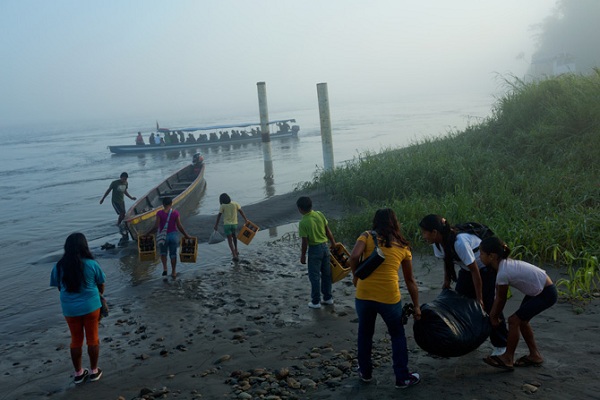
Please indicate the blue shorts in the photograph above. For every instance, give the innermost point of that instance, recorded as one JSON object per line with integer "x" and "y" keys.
{"x": 171, "y": 245}
{"x": 533, "y": 305}
{"x": 230, "y": 229}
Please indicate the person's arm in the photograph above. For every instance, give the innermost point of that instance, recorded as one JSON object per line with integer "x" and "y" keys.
{"x": 217, "y": 222}
{"x": 181, "y": 229}
{"x": 411, "y": 285}
{"x": 128, "y": 195}
{"x": 243, "y": 215}
{"x": 303, "y": 250}
{"x": 101, "y": 288}
{"x": 357, "y": 251}
{"x": 476, "y": 281}
{"x": 499, "y": 303}
{"x": 330, "y": 235}
{"x": 106, "y": 194}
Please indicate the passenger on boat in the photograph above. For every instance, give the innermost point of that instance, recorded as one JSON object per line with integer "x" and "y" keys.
{"x": 202, "y": 137}
{"x": 197, "y": 161}
{"x": 190, "y": 138}
{"x": 151, "y": 139}
{"x": 162, "y": 141}
{"x": 181, "y": 137}
{"x": 255, "y": 132}
{"x": 157, "y": 139}
{"x": 283, "y": 127}
{"x": 174, "y": 139}
{"x": 235, "y": 134}
{"x": 139, "y": 140}
{"x": 213, "y": 137}
{"x": 224, "y": 136}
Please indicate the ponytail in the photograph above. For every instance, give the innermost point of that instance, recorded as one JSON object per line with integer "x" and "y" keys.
{"x": 494, "y": 245}
{"x": 436, "y": 222}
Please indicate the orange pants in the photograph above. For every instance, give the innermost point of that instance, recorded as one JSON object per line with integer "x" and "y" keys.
{"x": 89, "y": 324}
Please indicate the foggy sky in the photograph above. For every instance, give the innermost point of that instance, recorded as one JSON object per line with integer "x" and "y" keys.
{"x": 71, "y": 60}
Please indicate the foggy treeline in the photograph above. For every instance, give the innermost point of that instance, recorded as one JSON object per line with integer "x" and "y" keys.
{"x": 568, "y": 38}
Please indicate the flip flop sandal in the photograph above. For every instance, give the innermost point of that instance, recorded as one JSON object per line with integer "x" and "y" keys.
{"x": 527, "y": 362}
{"x": 497, "y": 362}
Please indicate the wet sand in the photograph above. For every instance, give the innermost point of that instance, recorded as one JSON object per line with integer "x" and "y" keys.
{"x": 243, "y": 330}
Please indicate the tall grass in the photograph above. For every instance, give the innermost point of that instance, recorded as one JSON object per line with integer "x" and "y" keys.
{"x": 531, "y": 171}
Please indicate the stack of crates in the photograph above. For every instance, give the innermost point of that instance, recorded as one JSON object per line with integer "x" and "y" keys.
{"x": 189, "y": 250}
{"x": 147, "y": 247}
{"x": 338, "y": 261}
{"x": 247, "y": 233}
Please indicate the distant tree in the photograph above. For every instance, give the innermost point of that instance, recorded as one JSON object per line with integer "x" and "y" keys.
{"x": 568, "y": 40}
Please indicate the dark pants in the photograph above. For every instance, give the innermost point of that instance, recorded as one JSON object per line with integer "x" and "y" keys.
{"x": 464, "y": 286}
{"x": 367, "y": 311}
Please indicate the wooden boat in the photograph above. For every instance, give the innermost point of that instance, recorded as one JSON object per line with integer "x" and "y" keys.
{"x": 285, "y": 131}
{"x": 184, "y": 187}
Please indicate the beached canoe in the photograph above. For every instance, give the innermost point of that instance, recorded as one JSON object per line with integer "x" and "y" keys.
{"x": 184, "y": 186}
{"x": 210, "y": 140}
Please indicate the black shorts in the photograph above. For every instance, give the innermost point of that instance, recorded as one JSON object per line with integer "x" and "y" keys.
{"x": 119, "y": 207}
{"x": 533, "y": 305}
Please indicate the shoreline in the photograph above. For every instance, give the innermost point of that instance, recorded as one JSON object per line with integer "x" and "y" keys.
{"x": 225, "y": 330}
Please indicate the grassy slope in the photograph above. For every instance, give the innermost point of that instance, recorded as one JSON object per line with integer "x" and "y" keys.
{"x": 531, "y": 172}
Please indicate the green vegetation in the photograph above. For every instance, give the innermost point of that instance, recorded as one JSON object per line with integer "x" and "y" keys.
{"x": 531, "y": 172}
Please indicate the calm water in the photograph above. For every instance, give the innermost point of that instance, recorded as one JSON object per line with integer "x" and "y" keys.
{"x": 52, "y": 178}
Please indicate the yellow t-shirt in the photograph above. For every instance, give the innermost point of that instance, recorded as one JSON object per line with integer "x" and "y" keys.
{"x": 383, "y": 284}
{"x": 229, "y": 212}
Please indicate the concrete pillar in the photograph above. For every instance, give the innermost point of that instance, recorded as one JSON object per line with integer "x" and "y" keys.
{"x": 264, "y": 129}
{"x": 325, "y": 119}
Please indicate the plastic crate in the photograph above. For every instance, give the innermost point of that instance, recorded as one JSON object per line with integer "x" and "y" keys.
{"x": 247, "y": 233}
{"x": 147, "y": 247}
{"x": 189, "y": 250}
{"x": 338, "y": 261}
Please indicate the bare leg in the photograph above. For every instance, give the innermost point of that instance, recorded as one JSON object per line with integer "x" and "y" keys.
{"x": 164, "y": 263}
{"x": 230, "y": 239}
{"x": 527, "y": 332}
{"x": 237, "y": 253}
{"x": 512, "y": 340}
{"x": 121, "y": 218}
{"x": 173, "y": 267}
{"x": 76, "y": 358}
{"x": 93, "y": 352}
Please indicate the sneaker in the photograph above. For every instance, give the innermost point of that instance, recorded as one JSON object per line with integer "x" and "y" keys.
{"x": 498, "y": 351}
{"x": 328, "y": 302}
{"x": 313, "y": 305}
{"x": 96, "y": 376}
{"x": 413, "y": 379}
{"x": 365, "y": 378}
{"x": 81, "y": 378}
{"x": 164, "y": 273}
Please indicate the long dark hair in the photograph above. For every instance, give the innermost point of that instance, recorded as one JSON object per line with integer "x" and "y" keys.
{"x": 385, "y": 223}
{"x": 70, "y": 266}
{"x": 494, "y": 245}
{"x": 436, "y": 222}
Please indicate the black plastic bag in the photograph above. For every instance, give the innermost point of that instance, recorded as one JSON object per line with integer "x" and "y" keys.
{"x": 452, "y": 325}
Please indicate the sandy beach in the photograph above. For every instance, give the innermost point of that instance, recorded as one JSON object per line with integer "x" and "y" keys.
{"x": 226, "y": 330}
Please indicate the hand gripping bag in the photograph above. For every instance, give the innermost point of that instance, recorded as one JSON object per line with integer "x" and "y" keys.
{"x": 452, "y": 325}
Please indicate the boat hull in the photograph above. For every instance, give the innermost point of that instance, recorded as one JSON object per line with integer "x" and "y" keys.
{"x": 131, "y": 149}
{"x": 184, "y": 187}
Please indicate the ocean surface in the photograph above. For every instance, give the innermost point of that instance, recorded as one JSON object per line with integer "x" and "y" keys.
{"x": 52, "y": 179}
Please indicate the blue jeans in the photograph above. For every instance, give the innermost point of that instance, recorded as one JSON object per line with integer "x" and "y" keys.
{"x": 170, "y": 245}
{"x": 319, "y": 272}
{"x": 367, "y": 311}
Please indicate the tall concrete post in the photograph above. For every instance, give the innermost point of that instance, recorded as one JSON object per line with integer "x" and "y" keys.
{"x": 325, "y": 118}
{"x": 264, "y": 129}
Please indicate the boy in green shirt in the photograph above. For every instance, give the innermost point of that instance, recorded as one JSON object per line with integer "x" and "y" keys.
{"x": 314, "y": 231}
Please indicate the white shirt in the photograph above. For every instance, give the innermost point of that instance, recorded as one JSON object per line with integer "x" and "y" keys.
{"x": 464, "y": 245}
{"x": 527, "y": 278}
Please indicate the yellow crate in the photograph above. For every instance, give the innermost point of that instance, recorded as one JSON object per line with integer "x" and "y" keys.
{"x": 247, "y": 233}
{"x": 338, "y": 261}
{"x": 189, "y": 250}
{"x": 147, "y": 247}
